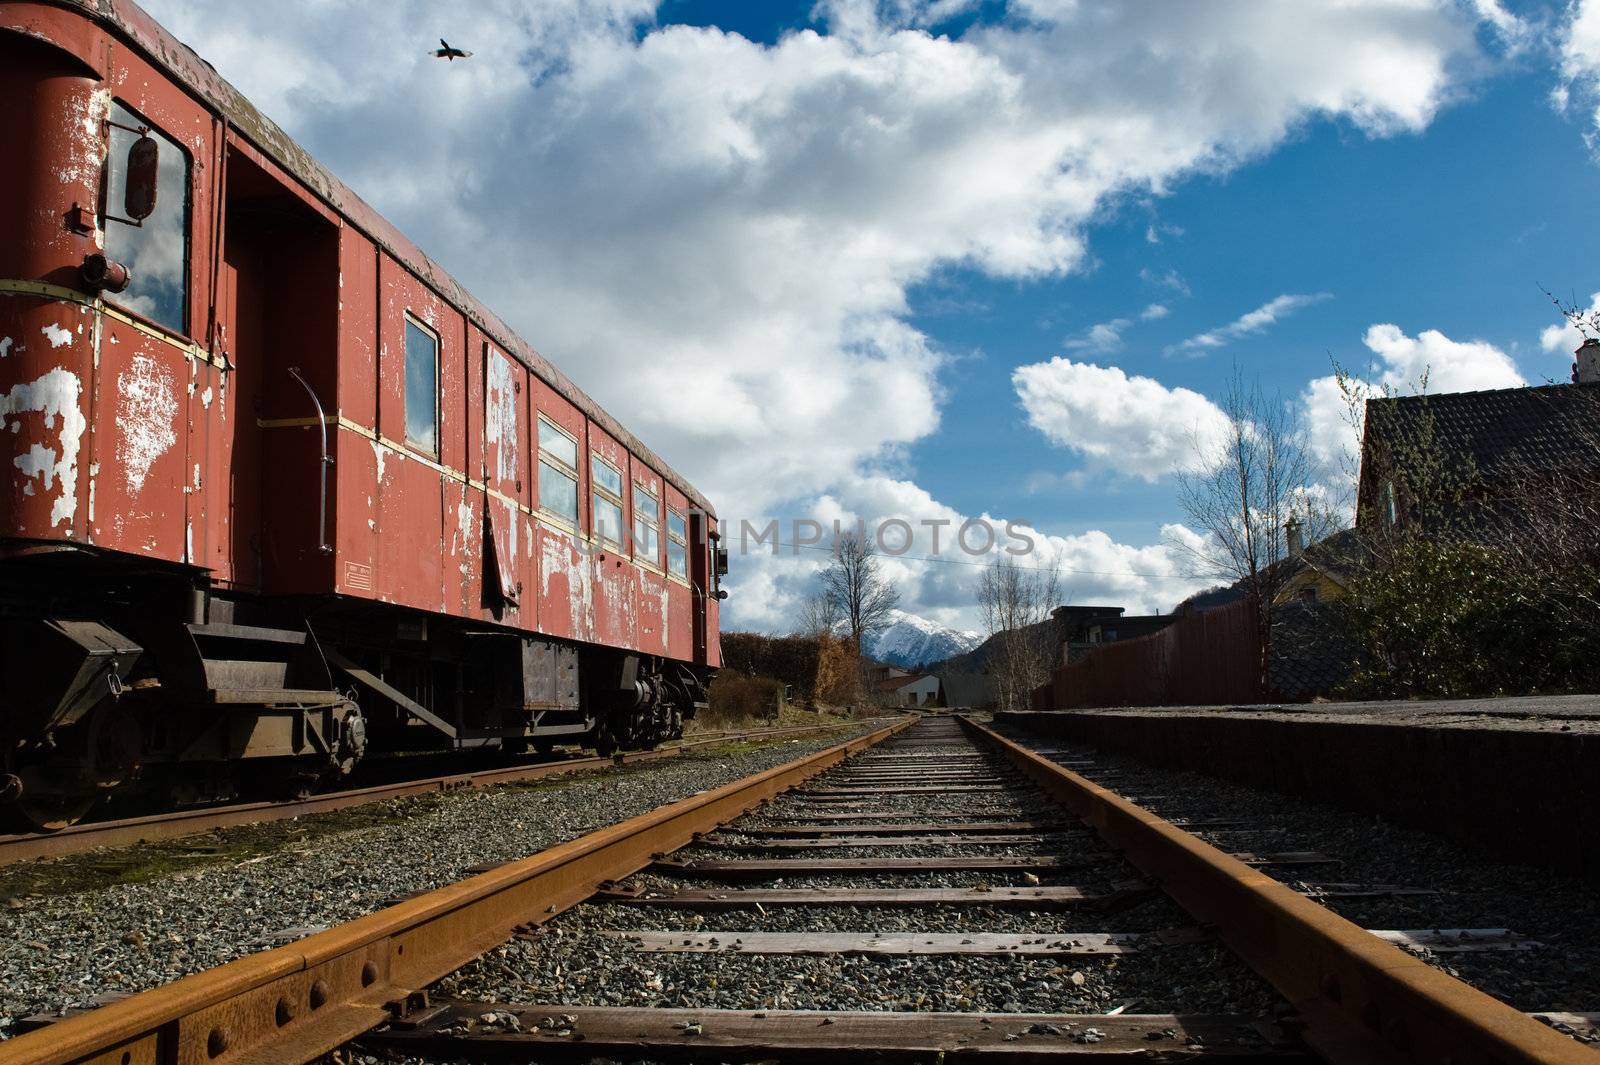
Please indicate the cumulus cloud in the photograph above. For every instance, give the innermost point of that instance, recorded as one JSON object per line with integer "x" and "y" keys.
{"x": 1403, "y": 364}
{"x": 716, "y": 237}
{"x": 938, "y": 577}
{"x": 1154, "y": 311}
{"x": 1262, "y": 318}
{"x": 1563, "y": 339}
{"x": 1133, "y": 425}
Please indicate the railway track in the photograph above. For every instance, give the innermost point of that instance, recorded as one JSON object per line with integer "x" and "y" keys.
{"x": 194, "y": 821}
{"x": 930, "y": 873}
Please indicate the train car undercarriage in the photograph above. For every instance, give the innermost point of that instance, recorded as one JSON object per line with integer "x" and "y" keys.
{"x": 149, "y": 683}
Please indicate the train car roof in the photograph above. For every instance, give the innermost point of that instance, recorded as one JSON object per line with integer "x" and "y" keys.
{"x": 188, "y": 69}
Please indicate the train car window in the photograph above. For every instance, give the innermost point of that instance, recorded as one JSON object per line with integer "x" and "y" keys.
{"x": 558, "y": 445}
{"x": 646, "y": 525}
{"x": 422, "y": 387}
{"x": 558, "y": 472}
{"x": 607, "y": 500}
{"x": 677, "y": 544}
{"x": 606, "y": 476}
{"x": 156, "y": 249}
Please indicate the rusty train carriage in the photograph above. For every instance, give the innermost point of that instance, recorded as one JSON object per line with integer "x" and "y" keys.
{"x": 277, "y": 491}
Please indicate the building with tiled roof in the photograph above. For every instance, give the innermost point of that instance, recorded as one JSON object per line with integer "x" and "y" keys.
{"x": 1497, "y": 445}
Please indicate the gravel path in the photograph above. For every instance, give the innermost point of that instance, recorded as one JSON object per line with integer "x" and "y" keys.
{"x": 62, "y": 950}
{"x": 1475, "y": 889}
{"x": 572, "y": 961}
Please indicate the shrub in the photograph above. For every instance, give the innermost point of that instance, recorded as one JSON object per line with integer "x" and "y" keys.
{"x": 736, "y": 697}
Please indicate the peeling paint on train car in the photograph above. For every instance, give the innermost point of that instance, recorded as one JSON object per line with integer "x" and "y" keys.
{"x": 147, "y": 410}
{"x": 566, "y": 592}
{"x": 55, "y": 398}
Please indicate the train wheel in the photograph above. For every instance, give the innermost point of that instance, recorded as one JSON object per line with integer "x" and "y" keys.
{"x": 41, "y": 804}
{"x": 541, "y": 745}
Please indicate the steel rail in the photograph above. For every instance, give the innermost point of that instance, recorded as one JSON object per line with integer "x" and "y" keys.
{"x": 297, "y": 1002}
{"x": 1362, "y": 999}
{"x": 177, "y": 824}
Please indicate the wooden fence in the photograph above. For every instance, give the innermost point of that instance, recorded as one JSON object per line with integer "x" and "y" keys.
{"x": 1202, "y": 659}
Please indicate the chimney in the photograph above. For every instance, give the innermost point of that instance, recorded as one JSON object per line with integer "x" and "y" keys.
{"x": 1586, "y": 369}
{"x": 1291, "y": 532}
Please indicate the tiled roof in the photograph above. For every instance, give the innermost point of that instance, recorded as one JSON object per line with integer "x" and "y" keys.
{"x": 1548, "y": 427}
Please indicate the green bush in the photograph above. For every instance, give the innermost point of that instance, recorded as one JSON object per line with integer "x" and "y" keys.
{"x": 1456, "y": 619}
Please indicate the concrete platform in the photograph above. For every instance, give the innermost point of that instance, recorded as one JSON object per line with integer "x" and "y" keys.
{"x": 1520, "y": 777}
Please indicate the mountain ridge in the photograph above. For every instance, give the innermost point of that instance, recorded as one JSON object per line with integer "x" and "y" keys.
{"x": 912, "y": 642}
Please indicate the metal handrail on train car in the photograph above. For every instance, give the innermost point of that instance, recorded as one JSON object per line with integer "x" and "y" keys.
{"x": 327, "y": 460}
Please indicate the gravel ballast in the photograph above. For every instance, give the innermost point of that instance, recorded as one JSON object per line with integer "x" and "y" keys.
{"x": 571, "y": 960}
{"x": 1475, "y": 890}
{"x": 63, "y": 950}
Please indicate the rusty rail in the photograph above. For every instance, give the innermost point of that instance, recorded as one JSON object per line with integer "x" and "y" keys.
{"x": 1362, "y": 999}
{"x": 296, "y": 1002}
{"x": 180, "y": 823}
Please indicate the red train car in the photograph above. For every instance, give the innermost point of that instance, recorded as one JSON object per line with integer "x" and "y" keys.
{"x": 276, "y": 490}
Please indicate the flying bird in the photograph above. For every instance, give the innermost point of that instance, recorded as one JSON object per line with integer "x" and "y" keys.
{"x": 444, "y": 51}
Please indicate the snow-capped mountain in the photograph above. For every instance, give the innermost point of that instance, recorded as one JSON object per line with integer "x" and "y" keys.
{"x": 910, "y": 642}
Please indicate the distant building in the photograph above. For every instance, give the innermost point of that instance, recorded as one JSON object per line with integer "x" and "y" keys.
{"x": 1081, "y": 629}
{"x": 1511, "y": 445}
{"x": 967, "y": 691}
{"x": 919, "y": 691}
{"x": 897, "y": 687}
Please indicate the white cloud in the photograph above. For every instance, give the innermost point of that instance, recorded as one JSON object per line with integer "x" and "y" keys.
{"x": 716, "y": 237}
{"x": 1402, "y": 365}
{"x": 1449, "y": 365}
{"x": 1563, "y": 339}
{"x": 942, "y": 585}
{"x": 1263, "y": 317}
{"x": 1099, "y": 338}
{"x": 1170, "y": 279}
{"x": 1580, "y": 60}
{"x": 1105, "y": 337}
{"x": 1134, "y": 425}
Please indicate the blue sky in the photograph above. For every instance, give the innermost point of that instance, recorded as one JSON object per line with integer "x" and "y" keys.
{"x": 845, "y": 259}
{"x": 1455, "y": 228}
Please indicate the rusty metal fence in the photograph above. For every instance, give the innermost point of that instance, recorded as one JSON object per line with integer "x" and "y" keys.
{"x": 1208, "y": 658}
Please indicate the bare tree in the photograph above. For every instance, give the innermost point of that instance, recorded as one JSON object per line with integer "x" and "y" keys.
{"x": 819, "y": 614}
{"x": 860, "y": 594}
{"x": 1246, "y": 489}
{"x": 1016, "y": 602}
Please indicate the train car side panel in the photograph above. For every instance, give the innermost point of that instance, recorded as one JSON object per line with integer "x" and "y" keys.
{"x": 680, "y": 596}
{"x": 411, "y": 504}
{"x": 140, "y": 435}
{"x": 357, "y": 495}
{"x": 649, "y": 612}
{"x": 563, "y": 575}
{"x": 608, "y": 505}
{"x": 499, "y": 413}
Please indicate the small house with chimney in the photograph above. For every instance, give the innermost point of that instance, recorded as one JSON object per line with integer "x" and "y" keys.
{"x": 1508, "y": 447}
{"x": 1081, "y": 629}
